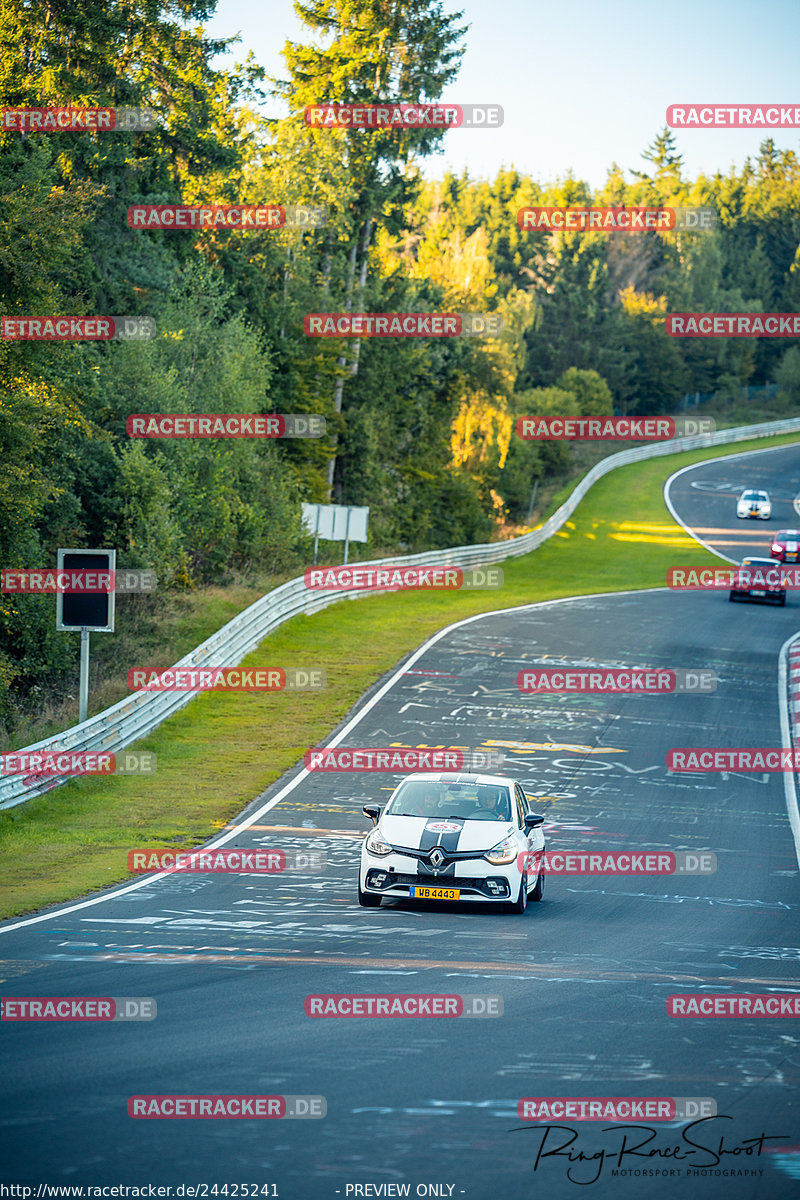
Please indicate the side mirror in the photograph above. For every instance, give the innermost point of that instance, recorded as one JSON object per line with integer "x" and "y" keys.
{"x": 373, "y": 811}
{"x": 533, "y": 821}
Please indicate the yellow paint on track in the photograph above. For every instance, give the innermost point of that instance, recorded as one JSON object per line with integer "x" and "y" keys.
{"x": 302, "y": 831}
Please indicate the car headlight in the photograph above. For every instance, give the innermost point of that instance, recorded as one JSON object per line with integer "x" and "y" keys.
{"x": 376, "y": 843}
{"x": 504, "y": 852}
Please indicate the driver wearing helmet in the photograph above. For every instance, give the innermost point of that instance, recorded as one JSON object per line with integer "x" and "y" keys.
{"x": 496, "y": 803}
{"x": 424, "y": 805}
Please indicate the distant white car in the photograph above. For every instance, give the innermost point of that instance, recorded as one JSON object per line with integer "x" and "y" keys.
{"x": 754, "y": 504}
{"x": 465, "y": 838}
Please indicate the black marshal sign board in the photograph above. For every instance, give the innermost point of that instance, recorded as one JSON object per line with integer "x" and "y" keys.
{"x": 86, "y": 610}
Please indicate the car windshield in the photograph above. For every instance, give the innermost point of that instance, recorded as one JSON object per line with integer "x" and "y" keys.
{"x": 787, "y": 535}
{"x": 755, "y": 495}
{"x": 466, "y": 801}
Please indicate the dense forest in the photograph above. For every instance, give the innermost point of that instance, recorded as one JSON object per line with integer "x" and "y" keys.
{"x": 421, "y": 430}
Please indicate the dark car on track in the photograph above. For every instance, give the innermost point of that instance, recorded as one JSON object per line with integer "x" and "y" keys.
{"x": 759, "y": 579}
{"x": 786, "y": 545}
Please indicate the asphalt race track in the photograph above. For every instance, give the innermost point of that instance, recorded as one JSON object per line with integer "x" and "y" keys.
{"x": 704, "y": 498}
{"x": 584, "y": 976}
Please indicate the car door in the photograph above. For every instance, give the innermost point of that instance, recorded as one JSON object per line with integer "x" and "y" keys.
{"x": 520, "y": 808}
{"x": 535, "y": 839}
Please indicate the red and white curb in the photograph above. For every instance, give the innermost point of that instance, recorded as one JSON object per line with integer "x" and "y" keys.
{"x": 789, "y": 706}
{"x": 793, "y": 688}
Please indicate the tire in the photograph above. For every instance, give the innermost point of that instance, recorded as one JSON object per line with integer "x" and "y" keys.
{"x": 731, "y": 597}
{"x": 782, "y": 601}
{"x": 538, "y": 892}
{"x": 367, "y": 900}
{"x": 521, "y": 903}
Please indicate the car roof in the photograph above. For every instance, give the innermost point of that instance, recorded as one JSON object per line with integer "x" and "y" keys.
{"x": 461, "y": 776}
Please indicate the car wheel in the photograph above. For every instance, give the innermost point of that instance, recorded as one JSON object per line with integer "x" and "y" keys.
{"x": 782, "y": 600}
{"x": 367, "y": 900}
{"x": 520, "y": 904}
{"x": 732, "y": 596}
{"x": 538, "y": 891}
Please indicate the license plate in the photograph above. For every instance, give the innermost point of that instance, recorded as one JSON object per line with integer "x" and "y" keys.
{"x": 434, "y": 893}
{"x": 758, "y": 593}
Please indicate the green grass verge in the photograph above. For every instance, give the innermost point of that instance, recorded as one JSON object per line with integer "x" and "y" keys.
{"x": 223, "y": 750}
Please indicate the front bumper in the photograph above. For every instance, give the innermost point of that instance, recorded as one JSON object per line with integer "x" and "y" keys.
{"x": 503, "y": 885}
{"x": 477, "y": 880}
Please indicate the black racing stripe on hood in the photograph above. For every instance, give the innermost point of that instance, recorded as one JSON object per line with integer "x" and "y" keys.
{"x": 437, "y": 837}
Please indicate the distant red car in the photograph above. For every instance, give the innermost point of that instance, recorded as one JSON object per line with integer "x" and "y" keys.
{"x": 786, "y": 545}
{"x": 763, "y": 581}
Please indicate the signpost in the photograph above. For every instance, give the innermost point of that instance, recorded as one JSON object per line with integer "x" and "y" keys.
{"x": 336, "y": 523}
{"x": 84, "y": 610}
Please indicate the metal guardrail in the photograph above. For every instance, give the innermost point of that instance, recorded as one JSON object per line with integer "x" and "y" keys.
{"x": 139, "y": 714}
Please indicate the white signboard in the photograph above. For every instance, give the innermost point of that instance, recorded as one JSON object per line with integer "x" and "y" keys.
{"x": 336, "y": 522}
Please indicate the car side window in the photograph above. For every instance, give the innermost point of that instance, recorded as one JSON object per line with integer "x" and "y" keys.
{"x": 522, "y": 805}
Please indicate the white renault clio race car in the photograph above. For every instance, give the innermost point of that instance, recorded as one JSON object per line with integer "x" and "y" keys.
{"x": 468, "y": 838}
